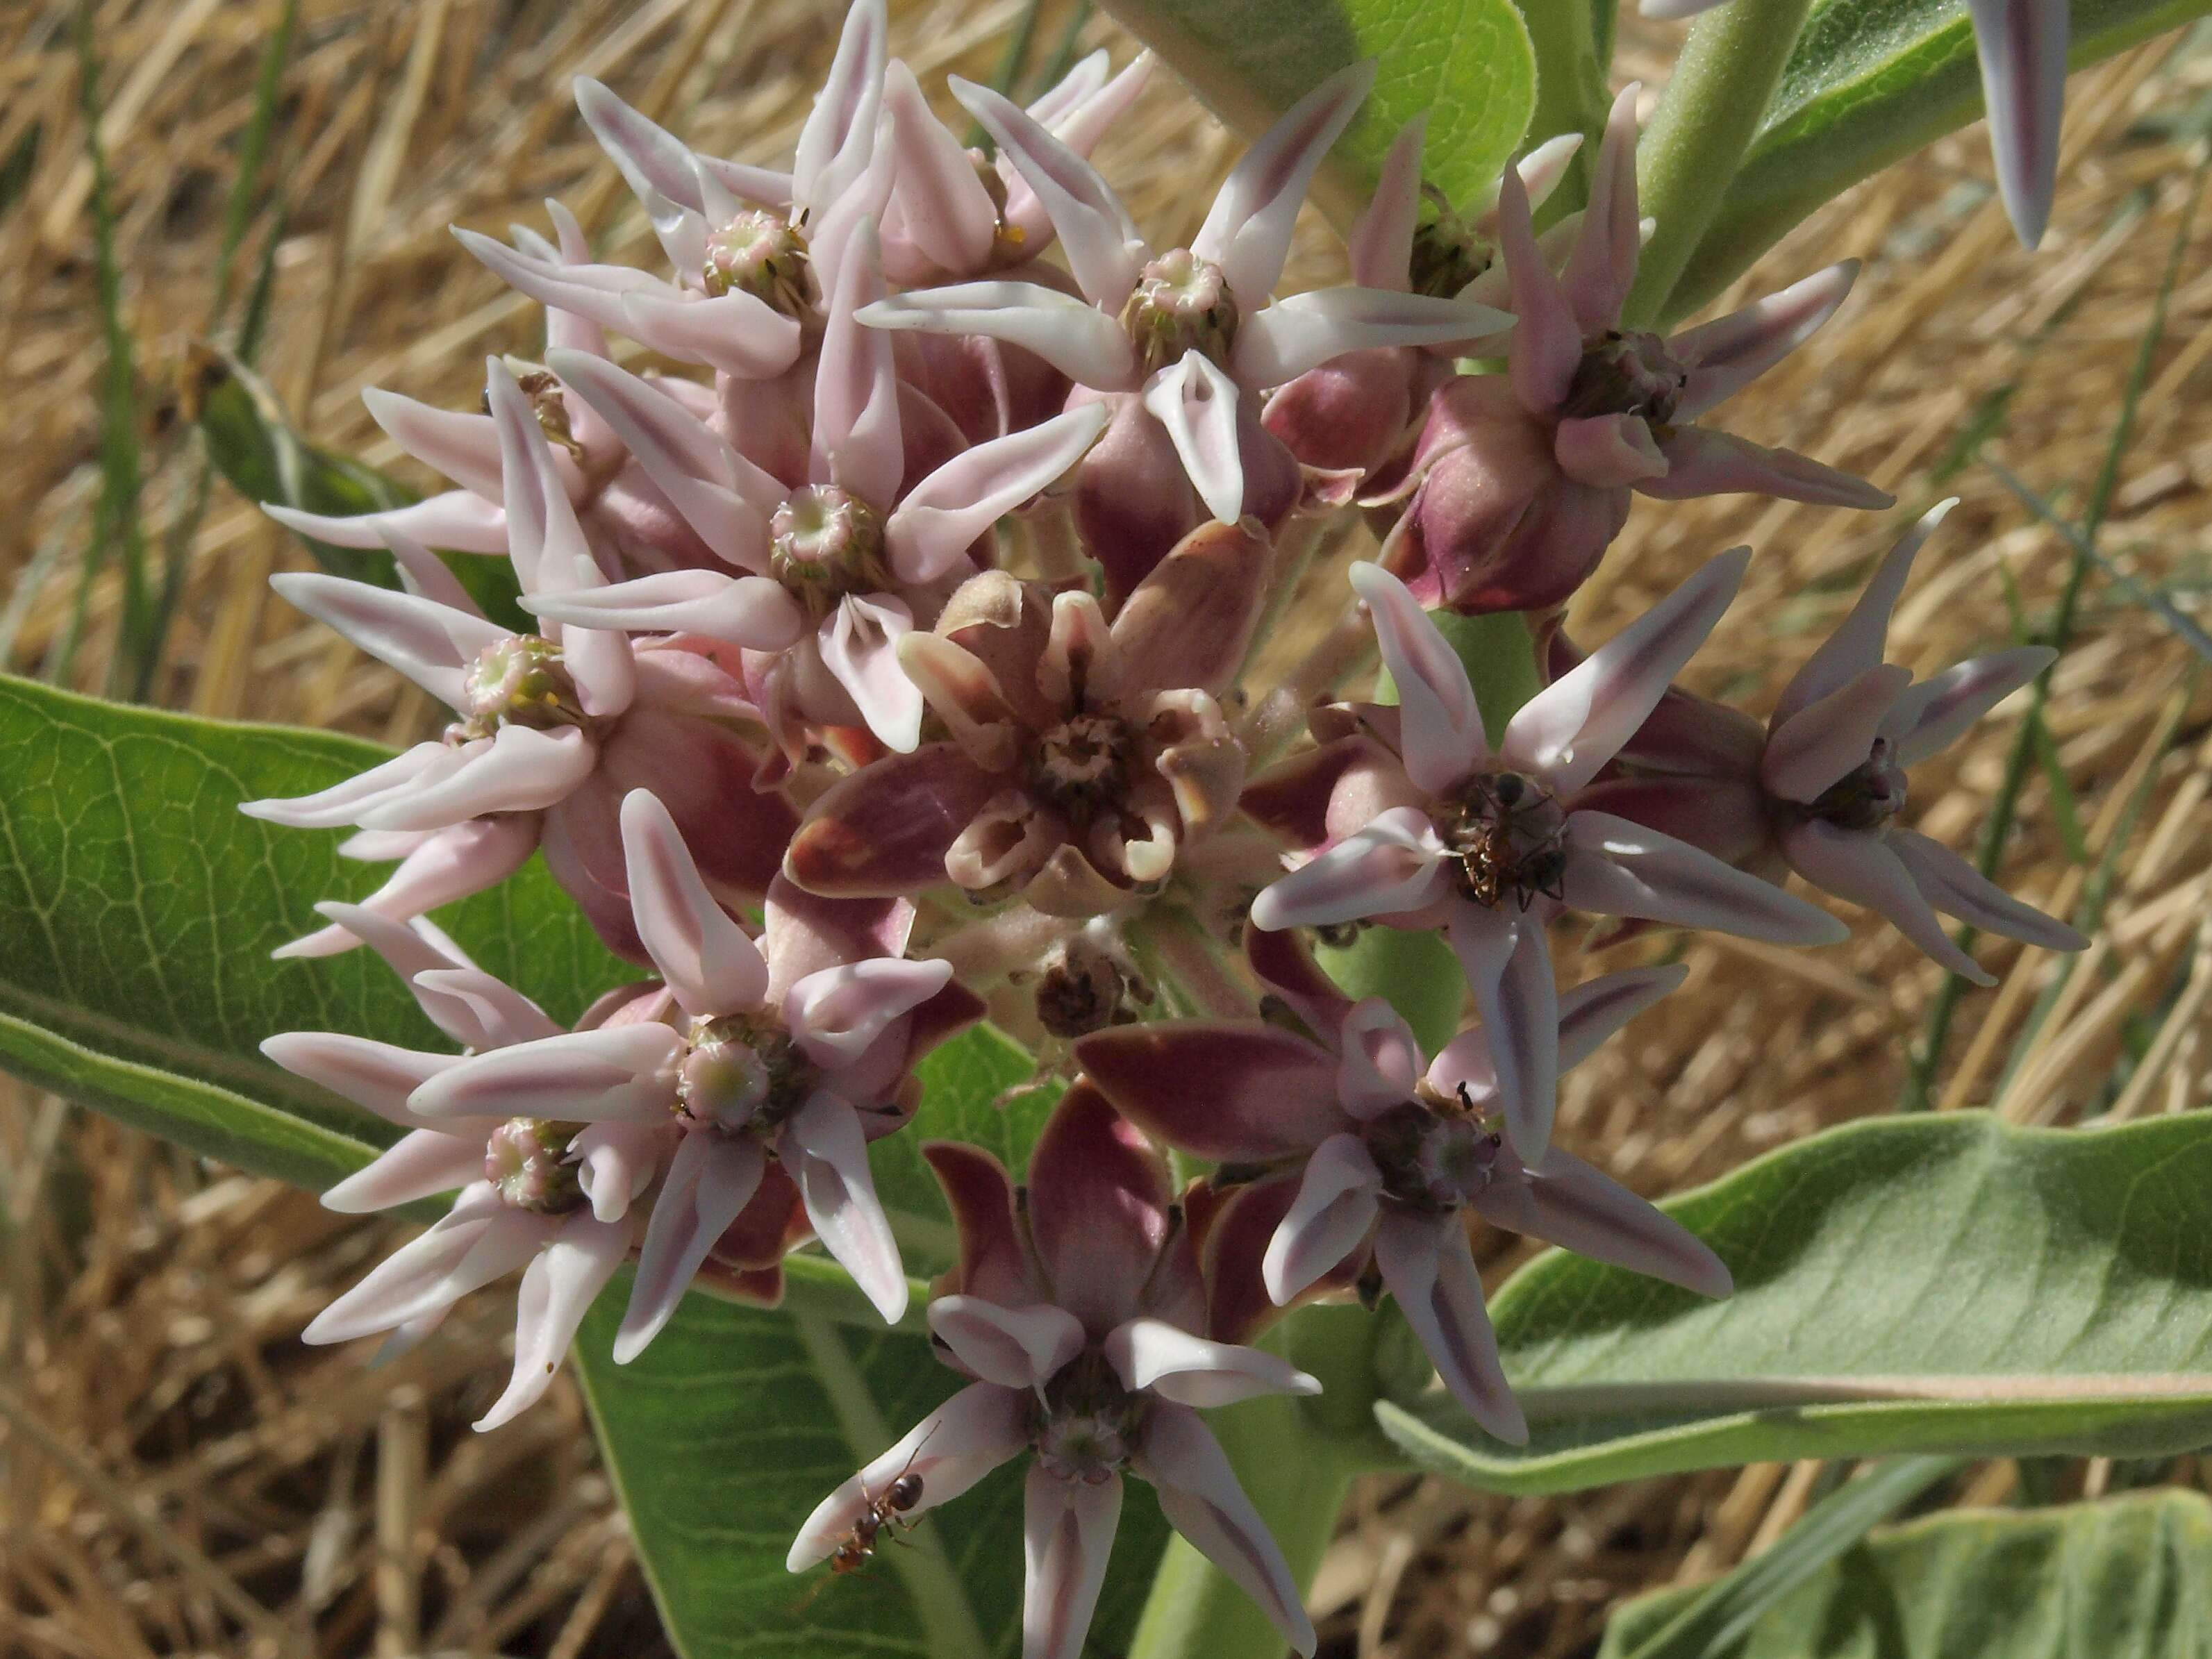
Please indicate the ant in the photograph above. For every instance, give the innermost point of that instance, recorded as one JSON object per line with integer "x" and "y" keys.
{"x": 883, "y": 1514}
{"x": 1509, "y": 843}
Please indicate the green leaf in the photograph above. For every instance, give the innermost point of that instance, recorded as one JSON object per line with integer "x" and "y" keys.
{"x": 2126, "y": 1578}
{"x": 255, "y": 447}
{"x": 1869, "y": 83}
{"x": 140, "y": 907}
{"x": 1942, "y": 1284}
{"x": 1465, "y": 64}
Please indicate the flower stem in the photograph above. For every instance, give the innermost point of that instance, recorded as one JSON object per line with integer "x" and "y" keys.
{"x": 1712, "y": 108}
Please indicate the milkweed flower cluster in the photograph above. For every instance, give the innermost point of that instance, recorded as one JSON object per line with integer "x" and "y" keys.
{"x": 895, "y": 667}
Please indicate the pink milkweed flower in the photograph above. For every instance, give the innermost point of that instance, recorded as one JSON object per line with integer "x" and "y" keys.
{"x": 1078, "y": 1307}
{"x": 749, "y": 245}
{"x": 1521, "y": 481}
{"x": 1080, "y": 756}
{"x": 1385, "y": 1154}
{"x": 741, "y": 1062}
{"x": 2022, "y": 46}
{"x": 1821, "y": 786}
{"x": 1180, "y": 344}
{"x": 531, "y": 1197}
{"x": 1418, "y": 824}
{"x": 838, "y": 568}
{"x": 1361, "y": 410}
{"x": 550, "y": 727}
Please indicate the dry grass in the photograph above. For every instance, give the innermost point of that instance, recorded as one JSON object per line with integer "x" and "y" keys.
{"x": 183, "y": 1477}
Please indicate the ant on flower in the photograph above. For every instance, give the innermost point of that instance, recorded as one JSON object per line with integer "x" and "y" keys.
{"x": 882, "y": 1514}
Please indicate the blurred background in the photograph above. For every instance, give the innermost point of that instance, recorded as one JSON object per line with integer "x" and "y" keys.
{"x": 178, "y": 1475}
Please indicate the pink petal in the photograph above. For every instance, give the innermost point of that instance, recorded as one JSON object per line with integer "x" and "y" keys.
{"x": 735, "y": 333}
{"x": 521, "y": 769}
{"x": 1726, "y": 355}
{"x": 1574, "y": 726}
{"x": 1083, "y": 343}
{"x": 431, "y": 644}
{"x": 1564, "y": 1201}
{"x": 941, "y": 204}
{"x": 1305, "y": 331}
{"x": 858, "y": 643}
{"x": 617, "y": 1162}
{"x": 929, "y": 534}
{"x": 1594, "y": 1010}
{"x": 1547, "y": 341}
{"x": 1381, "y": 244}
{"x": 1704, "y": 463}
{"x": 1935, "y": 713}
{"x": 857, "y": 442}
{"x": 1425, "y": 1262}
{"x": 1196, "y": 404}
{"x": 1234, "y": 1091}
{"x": 1508, "y": 964}
{"x": 754, "y": 612}
{"x": 1148, "y": 1353}
{"x": 1441, "y": 734}
{"x": 2022, "y": 44}
{"x": 1857, "y": 645}
{"x": 824, "y": 1152}
{"x": 1337, "y": 1203}
{"x": 345, "y": 802}
{"x": 463, "y": 447}
{"x": 1956, "y": 888}
{"x": 1098, "y": 1208}
{"x": 838, "y": 1014}
{"x": 595, "y": 292}
{"x": 706, "y": 959}
{"x": 459, "y": 521}
{"x": 952, "y": 1449}
{"x": 1393, "y": 866}
{"x": 656, "y": 165}
{"x": 840, "y": 134}
{"x": 1069, "y": 1537}
{"x": 1379, "y": 1062}
{"x": 1602, "y": 268}
{"x": 1827, "y": 740}
{"x": 424, "y": 574}
{"x": 1102, "y": 246}
{"x": 620, "y": 1072}
{"x": 1616, "y": 868}
{"x": 710, "y": 1180}
{"x": 1201, "y": 1499}
{"x": 480, "y": 1240}
{"x": 1248, "y": 230}
{"x": 421, "y": 1164}
{"x": 443, "y": 865}
{"x": 558, "y": 1289}
{"x": 1670, "y": 9}
{"x": 1862, "y": 867}
{"x": 1015, "y": 1348}
{"x": 377, "y": 1076}
{"x": 1609, "y": 451}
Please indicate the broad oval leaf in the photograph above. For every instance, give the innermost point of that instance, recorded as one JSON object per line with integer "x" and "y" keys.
{"x": 1465, "y": 64}
{"x": 2128, "y": 1578}
{"x": 1869, "y": 83}
{"x": 1938, "y": 1284}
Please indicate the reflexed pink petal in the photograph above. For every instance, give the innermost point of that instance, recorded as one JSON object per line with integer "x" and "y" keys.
{"x": 345, "y": 802}
{"x": 1381, "y": 244}
{"x": 1441, "y": 734}
{"x": 431, "y": 644}
{"x": 1609, "y": 451}
{"x": 1860, "y": 867}
{"x": 475, "y": 1009}
{"x": 463, "y": 447}
{"x": 558, "y": 1289}
{"x": 596, "y": 292}
{"x": 622, "y": 1072}
{"x": 2022, "y": 44}
{"x": 710, "y": 1180}
{"x": 1083, "y": 343}
{"x": 1935, "y": 713}
{"x": 480, "y": 1240}
{"x": 1068, "y": 1537}
{"x": 617, "y": 1162}
{"x": 1827, "y": 740}
{"x": 859, "y": 644}
{"x": 1616, "y": 868}
{"x": 1196, "y": 404}
{"x": 1956, "y": 888}
{"x": 857, "y": 442}
{"x": 1675, "y": 9}
{"x": 1425, "y": 1262}
{"x": 952, "y": 1449}
{"x": 885, "y": 830}
{"x": 1015, "y": 1348}
{"x": 1703, "y": 463}
{"x": 929, "y": 534}
{"x": 1602, "y": 268}
{"x": 421, "y": 1164}
{"x": 1098, "y": 1208}
{"x": 836, "y": 1014}
{"x": 752, "y": 611}
{"x": 940, "y": 204}
{"x": 1248, "y": 230}
{"x": 708, "y": 960}
{"x": 1201, "y": 1499}
{"x": 823, "y": 1150}
{"x": 1728, "y": 355}
{"x": 1574, "y": 726}
{"x": 1102, "y": 246}
{"x": 1235, "y": 1091}
{"x": 1393, "y": 865}
{"x": 734, "y": 333}
{"x": 840, "y": 134}
{"x": 1151, "y": 1353}
{"x": 1508, "y": 963}
{"x": 1564, "y": 1201}
{"x": 1305, "y": 330}
{"x": 654, "y": 163}
{"x": 1594, "y": 1010}
{"x": 521, "y": 770}
{"x": 1379, "y": 1061}
{"x": 994, "y": 1262}
{"x": 424, "y": 574}
{"x": 459, "y": 519}
{"x": 1860, "y": 639}
{"x": 1334, "y": 1211}
{"x": 1547, "y": 341}
{"x": 377, "y": 1076}
{"x": 443, "y": 865}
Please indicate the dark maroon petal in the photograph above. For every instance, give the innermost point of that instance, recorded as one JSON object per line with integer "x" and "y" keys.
{"x": 703, "y": 775}
{"x": 1284, "y": 963}
{"x": 773, "y": 1221}
{"x": 1097, "y": 1208}
{"x": 1243, "y": 1220}
{"x": 1325, "y": 793}
{"x": 1351, "y": 413}
{"x": 1726, "y": 818}
{"x": 1132, "y": 500}
{"x": 1188, "y": 622}
{"x": 994, "y": 1259}
{"x": 885, "y": 830}
{"x": 1240, "y": 1092}
{"x": 806, "y": 932}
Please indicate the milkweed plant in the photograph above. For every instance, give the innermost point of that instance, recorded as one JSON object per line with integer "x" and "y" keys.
{"x": 995, "y": 616}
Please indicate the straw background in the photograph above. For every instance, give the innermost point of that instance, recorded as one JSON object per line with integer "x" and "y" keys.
{"x": 178, "y": 1475}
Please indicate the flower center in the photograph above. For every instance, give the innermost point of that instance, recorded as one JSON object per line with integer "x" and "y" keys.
{"x": 523, "y": 1160}
{"x": 1086, "y": 1424}
{"x": 517, "y": 681}
{"x": 1507, "y": 834}
{"x": 1626, "y": 373}
{"x": 825, "y": 543}
{"x": 1435, "y": 1154}
{"x": 743, "y": 1074}
{"x": 1181, "y": 304}
{"x": 1083, "y": 762}
{"x": 1866, "y": 799}
{"x": 764, "y": 254}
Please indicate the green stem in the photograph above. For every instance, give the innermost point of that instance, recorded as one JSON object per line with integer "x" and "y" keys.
{"x": 1570, "y": 89}
{"x": 1712, "y": 107}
